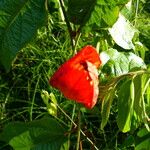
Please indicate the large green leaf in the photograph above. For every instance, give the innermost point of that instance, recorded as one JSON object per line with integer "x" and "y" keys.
{"x": 102, "y": 13}
{"x": 36, "y": 135}
{"x": 122, "y": 33}
{"x": 119, "y": 63}
{"x": 125, "y": 105}
{"x": 19, "y": 21}
{"x": 141, "y": 83}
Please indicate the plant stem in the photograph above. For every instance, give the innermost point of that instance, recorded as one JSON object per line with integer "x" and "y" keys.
{"x": 136, "y": 12}
{"x": 79, "y": 128}
{"x": 67, "y": 22}
{"x": 72, "y": 118}
{"x": 76, "y": 42}
{"x": 33, "y": 98}
{"x": 90, "y": 141}
{"x": 46, "y": 5}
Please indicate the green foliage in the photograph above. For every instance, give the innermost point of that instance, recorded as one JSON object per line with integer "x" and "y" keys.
{"x": 95, "y": 13}
{"x": 51, "y": 106}
{"x": 19, "y": 21}
{"x": 45, "y": 133}
{"x": 125, "y": 105}
{"x": 121, "y": 35}
{"x": 119, "y": 63}
{"x": 142, "y": 140}
{"x": 106, "y": 105}
{"x": 123, "y": 32}
{"x": 129, "y": 84}
{"x": 143, "y": 23}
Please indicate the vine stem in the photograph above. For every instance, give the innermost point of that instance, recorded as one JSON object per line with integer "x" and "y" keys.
{"x": 67, "y": 22}
{"x": 119, "y": 78}
{"x": 79, "y": 129}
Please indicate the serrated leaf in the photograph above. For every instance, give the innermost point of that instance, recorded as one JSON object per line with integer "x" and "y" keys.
{"x": 100, "y": 13}
{"x": 120, "y": 63}
{"x": 19, "y": 21}
{"x": 122, "y": 33}
{"x": 46, "y": 132}
{"x": 125, "y": 105}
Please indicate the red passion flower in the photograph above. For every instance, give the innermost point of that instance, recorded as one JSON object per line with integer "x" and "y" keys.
{"x": 77, "y": 78}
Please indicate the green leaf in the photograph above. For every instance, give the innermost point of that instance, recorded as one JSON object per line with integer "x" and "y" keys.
{"x": 106, "y": 105}
{"x": 99, "y": 13}
{"x": 138, "y": 96}
{"x": 142, "y": 140}
{"x": 119, "y": 63}
{"x": 22, "y": 141}
{"x": 122, "y": 33}
{"x": 79, "y": 11}
{"x": 46, "y": 132}
{"x": 19, "y": 21}
{"x": 148, "y": 97}
{"x": 125, "y": 105}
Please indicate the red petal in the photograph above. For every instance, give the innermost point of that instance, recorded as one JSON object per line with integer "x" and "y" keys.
{"x": 94, "y": 76}
{"x": 88, "y": 53}
{"x": 77, "y": 78}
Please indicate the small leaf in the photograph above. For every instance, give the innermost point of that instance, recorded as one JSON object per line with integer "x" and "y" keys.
{"x": 125, "y": 105}
{"x": 122, "y": 33}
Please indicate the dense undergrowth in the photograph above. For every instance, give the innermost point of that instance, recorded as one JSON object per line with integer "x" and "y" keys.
{"x": 22, "y": 87}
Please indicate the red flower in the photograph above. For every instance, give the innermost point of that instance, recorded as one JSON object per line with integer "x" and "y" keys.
{"x": 77, "y": 78}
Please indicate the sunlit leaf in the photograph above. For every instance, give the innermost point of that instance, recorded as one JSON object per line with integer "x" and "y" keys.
{"x": 125, "y": 105}
{"x": 138, "y": 96}
{"x": 119, "y": 63}
{"x": 106, "y": 105}
{"x": 122, "y": 33}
